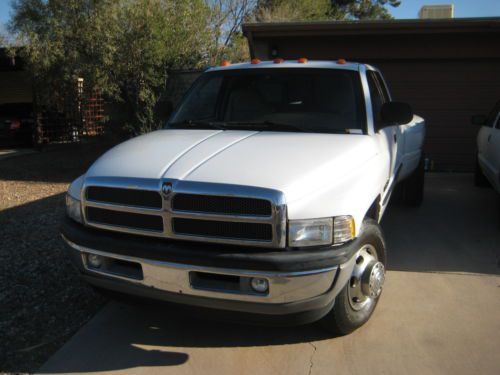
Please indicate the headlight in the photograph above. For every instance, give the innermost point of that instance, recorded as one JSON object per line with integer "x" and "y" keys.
{"x": 73, "y": 208}
{"x": 312, "y": 232}
{"x": 317, "y": 232}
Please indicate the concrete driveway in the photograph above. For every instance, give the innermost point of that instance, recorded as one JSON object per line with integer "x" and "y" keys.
{"x": 439, "y": 313}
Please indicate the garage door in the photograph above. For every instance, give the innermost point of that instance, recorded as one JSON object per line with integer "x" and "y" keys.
{"x": 446, "y": 93}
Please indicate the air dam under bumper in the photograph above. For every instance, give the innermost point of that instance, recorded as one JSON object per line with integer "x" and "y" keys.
{"x": 301, "y": 294}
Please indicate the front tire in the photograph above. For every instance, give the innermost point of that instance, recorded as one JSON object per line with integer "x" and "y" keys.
{"x": 357, "y": 300}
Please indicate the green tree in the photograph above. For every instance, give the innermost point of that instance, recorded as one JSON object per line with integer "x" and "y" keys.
{"x": 226, "y": 18}
{"x": 124, "y": 48}
{"x": 151, "y": 38}
{"x": 361, "y": 9}
{"x": 292, "y": 10}
{"x": 314, "y": 10}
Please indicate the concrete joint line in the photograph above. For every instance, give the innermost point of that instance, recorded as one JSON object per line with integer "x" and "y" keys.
{"x": 311, "y": 362}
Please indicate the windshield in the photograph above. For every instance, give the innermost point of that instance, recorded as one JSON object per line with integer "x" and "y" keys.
{"x": 308, "y": 100}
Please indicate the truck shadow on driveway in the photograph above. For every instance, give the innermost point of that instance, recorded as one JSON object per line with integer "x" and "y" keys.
{"x": 152, "y": 335}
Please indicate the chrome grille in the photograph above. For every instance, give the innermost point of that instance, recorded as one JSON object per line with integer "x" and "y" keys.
{"x": 128, "y": 197}
{"x": 223, "y": 229}
{"x": 125, "y": 219}
{"x": 221, "y": 205}
{"x": 194, "y": 211}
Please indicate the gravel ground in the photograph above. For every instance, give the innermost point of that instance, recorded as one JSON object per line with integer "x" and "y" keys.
{"x": 42, "y": 301}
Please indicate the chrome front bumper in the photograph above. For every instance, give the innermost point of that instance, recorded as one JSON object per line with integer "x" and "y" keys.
{"x": 284, "y": 287}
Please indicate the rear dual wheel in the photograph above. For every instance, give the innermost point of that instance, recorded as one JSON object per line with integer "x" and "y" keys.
{"x": 480, "y": 179}
{"x": 358, "y": 298}
{"x": 413, "y": 186}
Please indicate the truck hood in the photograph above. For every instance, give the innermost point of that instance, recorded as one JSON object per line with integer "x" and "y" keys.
{"x": 294, "y": 163}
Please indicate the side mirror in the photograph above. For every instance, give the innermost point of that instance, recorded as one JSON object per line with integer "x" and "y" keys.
{"x": 164, "y": 110}
{"x": 478, "y": 120}
{"x": 396, "y": 113}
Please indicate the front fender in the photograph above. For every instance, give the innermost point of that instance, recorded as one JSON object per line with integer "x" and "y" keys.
{"x": 345, "y": 195}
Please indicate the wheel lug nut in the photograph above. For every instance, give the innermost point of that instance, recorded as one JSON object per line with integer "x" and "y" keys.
{"x": 354, "y": 282}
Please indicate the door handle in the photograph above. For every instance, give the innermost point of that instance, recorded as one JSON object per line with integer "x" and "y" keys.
{"x": 395, "y": 138}
{"x": 489, "y": 137}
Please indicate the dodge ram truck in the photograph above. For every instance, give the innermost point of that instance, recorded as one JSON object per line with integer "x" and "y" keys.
{"x": 262, "y": 195}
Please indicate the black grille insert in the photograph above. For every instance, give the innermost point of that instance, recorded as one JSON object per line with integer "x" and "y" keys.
{"x": 125, "y": 219}
{"x": 223, "y": 229}
{"x": 128, "y": 197}
{"x": 221, "y": 205}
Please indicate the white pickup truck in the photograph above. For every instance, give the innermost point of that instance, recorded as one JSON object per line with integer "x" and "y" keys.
{"x": 488, "y": 149}
{"x": 262, "y": 195}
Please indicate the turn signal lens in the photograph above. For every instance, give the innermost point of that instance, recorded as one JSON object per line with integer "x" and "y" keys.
{"x": 255, "y": 61}
{"x": 343, "y": 229}
{"x": 302, "y": 60}
{"x": 341, "y": 62}
{"x": 73, "y": 208}
{"x": 225, "y": 63}
{"x": 278, "y": 60}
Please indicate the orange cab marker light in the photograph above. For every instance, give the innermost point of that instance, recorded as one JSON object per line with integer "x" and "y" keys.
{"x": 302, "y": 60}
{"x": 341, "y": 61}
{"x": 278, "y": 60}
{"x": 255, "y": 61}
{"x": 225, "y": 63}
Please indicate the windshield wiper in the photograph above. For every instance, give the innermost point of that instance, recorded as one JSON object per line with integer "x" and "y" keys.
{"x": 191, "y": 123}
{"x": 270, "y": 125}
{"x": 223, "y": 125}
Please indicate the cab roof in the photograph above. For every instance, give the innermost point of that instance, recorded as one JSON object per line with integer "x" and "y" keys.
{"x": 311, "y": 64}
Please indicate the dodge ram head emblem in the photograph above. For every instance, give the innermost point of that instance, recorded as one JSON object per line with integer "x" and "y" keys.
{"x": 166, "y": 189}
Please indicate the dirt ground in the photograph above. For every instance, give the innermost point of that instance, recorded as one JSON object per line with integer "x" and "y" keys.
{"x": 42, "y": 301}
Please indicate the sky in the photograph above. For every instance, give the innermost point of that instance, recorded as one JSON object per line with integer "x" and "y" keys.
{"x": 463, "y": 8}
{"x": 407, "y": 9}
{"x": 4, "y": 10}
{"x": 4, "y": 15}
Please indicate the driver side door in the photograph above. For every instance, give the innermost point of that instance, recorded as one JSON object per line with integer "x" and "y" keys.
{"x": 392, "y": 134}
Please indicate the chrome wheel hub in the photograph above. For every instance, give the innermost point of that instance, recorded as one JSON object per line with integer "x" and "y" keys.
{"x": 373, "y": 279}
{"x": 367, "y": 278}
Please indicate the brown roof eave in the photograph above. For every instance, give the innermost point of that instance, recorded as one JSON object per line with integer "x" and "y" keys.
{"x": 438, "y": 26}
